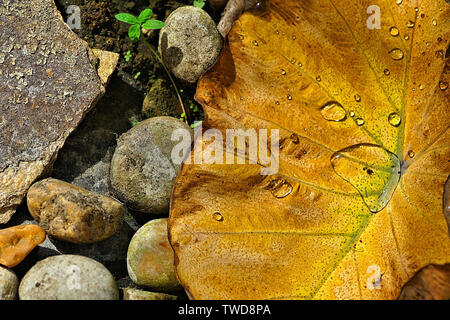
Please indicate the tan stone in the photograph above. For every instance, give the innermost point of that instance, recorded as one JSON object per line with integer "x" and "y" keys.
{"x": 135, "y": 294}
{"x": 150, "y": 258}
{"x": 17, "y": 242}
{"x": 107, "y": 64}
{"x": 68, "y": 212}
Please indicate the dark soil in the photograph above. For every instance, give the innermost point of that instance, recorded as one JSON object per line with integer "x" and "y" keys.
{"x": 102, "y": 31}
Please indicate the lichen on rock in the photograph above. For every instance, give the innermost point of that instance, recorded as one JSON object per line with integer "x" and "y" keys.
{"x": 47, "y": 84}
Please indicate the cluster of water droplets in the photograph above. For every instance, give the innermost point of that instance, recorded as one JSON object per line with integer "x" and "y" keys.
{"x": 370, "y": 169}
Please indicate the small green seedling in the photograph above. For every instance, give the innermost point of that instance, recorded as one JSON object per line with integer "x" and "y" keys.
{"x": 143, "y": 21}
{"x": 128, "y": 56}
{"x": 199, "y": 3}
{"x": 135, "y": 123}
{"x": 196, "y": 124}
{"x": 134, "y": 32}
{"x": 183, "y": 117}
{"x": 136, "y": 76}
{"x": 193, "y": 107}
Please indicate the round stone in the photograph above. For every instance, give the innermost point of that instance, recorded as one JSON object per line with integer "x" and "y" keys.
{"x": 68, "y": 277}
{"x": 8, "y": 284}
{"x": 142, "y": 169}
{"x": 150, "y": 258}
{"x": 189, "y": 43}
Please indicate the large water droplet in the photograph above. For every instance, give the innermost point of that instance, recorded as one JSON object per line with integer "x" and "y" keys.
{"x": 370, "y": 169}
{"x": 399, "y": 2}
{"x": 394, "y": 119}
{"x": 280, "y": 188}
{"x": 396, "y": 54}
{"x": 333, "y": 111}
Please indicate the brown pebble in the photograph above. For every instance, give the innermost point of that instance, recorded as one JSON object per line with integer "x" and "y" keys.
{"x": 70, "y": 213}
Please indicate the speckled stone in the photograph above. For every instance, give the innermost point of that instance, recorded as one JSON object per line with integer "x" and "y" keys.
{"x": 68, "y": 277}
{"x": 189, "y": 43}
{"x": 70, "y": 213}
{"x": 142, "y": 171}
{"x": 48, "y": 82}
{"x": 8, "y": 284}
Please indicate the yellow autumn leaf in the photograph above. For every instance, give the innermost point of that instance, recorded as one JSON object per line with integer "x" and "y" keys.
{"x": 355, "y": 209}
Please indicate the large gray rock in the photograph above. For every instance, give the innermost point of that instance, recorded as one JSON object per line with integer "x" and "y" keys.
{"x": 142, "y": 171}
{"x": 48, "y": 82}
{"x": 86, "y": 156}
{"x": 68, "y": 277}
{"x": 8, "y": 284}
{"x": 189, "y": 43}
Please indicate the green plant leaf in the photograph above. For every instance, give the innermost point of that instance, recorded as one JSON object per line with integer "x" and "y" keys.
{"x": 134, "y": 32}
{"x": 199, "y": 3}
{"x": 127, "y": 18}
{"x": 153, "y": 25}
{"x": 144, "y": 16}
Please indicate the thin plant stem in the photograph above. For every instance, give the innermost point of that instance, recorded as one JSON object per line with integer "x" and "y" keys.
{"x": 148, "y": 45}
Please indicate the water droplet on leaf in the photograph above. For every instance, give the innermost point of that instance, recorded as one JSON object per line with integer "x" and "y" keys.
{"x": 280, "y": 188}
{"x": 410, "y": 24}
{"x": 394, "y": 119}
{"x": 396, "y": 54}
{"x": 394, "y": 31}
{"x": 294, "y": 138}
{"x": 333, "y": 111}
{"x": 386, "y": 72}
{"x": 357, "y": 98}
{"x": 370, "y": 169}
{"x": 218, "y": 216}
{"x": 360, "y": 122}
{"x": 411, "y": 154}
{"x": 443, "y": 85}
